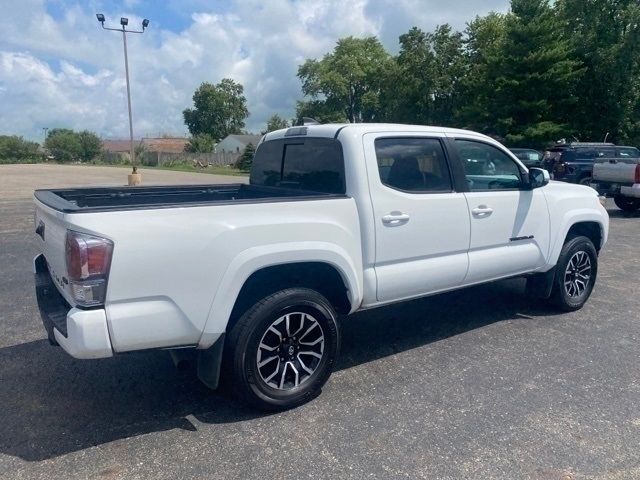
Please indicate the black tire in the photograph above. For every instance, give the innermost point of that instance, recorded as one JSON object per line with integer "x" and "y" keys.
{"x": 628, "y": 204}
{"x": 569, "y": 298}
{"x": 252, "y": 330}
{"x": 585, "y": 181}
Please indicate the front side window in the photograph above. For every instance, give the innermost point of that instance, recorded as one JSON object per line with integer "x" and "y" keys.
{"x": 416, "y": 165}
{"x": 488, "y": 168}
{"x": 628, "y": 152}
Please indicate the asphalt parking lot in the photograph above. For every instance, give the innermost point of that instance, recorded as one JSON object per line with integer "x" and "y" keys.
{"x": 482, "y": 383}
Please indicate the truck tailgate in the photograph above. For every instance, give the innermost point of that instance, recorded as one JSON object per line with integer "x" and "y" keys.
{"x": 614, "y": 172}
{"x": 51, "y": 230}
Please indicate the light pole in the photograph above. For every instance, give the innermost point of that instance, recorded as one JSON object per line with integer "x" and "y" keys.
{"x": 124, "y": 22}
{"x": 45, "y": 130}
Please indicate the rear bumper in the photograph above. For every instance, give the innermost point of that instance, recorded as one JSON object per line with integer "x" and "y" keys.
{"x": 81, "y": 333}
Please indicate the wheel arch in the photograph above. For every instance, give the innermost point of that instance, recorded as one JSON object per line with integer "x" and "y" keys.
{"x": 259, "y": 271}
{"x": 589, "y": 224}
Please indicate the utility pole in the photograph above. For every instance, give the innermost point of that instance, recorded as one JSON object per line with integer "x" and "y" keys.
{"x": 124, "y": 22}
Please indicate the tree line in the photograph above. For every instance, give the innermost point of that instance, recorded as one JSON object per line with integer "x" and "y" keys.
{"x": 541, "y": 72}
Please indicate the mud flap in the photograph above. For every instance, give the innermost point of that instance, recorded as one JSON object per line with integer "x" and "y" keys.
{"x": 209, "y": 363}
{"x": 539, "y": 285}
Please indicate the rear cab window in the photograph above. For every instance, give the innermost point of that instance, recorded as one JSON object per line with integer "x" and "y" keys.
{"x": 313, "y": 164}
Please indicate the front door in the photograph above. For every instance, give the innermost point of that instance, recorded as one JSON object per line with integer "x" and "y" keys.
{"x": 509, "y": 223}
{"x": 421, "y": 223}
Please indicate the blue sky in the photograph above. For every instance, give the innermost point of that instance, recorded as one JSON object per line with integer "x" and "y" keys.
{"x": 58, "y": 68}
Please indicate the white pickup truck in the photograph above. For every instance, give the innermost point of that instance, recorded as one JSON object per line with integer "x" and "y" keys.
{"x": 619, "y": 177}
{"x": 335, "y": 219}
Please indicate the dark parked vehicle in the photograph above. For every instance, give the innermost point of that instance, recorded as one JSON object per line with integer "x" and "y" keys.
{"x": 573, "y": 162}
{"x": 528, "y": 156}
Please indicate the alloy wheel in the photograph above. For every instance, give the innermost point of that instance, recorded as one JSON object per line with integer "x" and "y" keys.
{"x": 577, "y": 274}
{"x": 290, "y": 350}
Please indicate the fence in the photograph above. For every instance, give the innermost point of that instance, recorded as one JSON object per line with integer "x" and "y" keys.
{"x": 166, "y": 159}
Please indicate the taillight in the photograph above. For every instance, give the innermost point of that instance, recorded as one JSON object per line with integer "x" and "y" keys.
{"x": 88, "y": 262}
{"x": 637, "y": 175}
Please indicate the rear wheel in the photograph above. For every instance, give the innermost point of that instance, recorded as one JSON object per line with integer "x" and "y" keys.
{"x": 575, "y": 276}
{"x": 628, "y": 204}
{"x": 282, "y": 350}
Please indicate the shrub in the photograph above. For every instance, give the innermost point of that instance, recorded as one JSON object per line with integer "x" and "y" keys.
{"x": 246, "y": 159}
{"x": 15, "y": 149}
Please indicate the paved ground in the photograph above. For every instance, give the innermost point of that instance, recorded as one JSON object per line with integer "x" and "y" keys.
{"x": 477, "y": 384}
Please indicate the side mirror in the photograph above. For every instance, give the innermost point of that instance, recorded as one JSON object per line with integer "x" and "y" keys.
{"x": 538, "y": 177}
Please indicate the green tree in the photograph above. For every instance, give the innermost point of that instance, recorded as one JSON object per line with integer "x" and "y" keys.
{"x": 350, "y": 79}
{"x": 14, "y": 148}
{"x": 448, "y": 72}
{"x": 201, "y": 143}
{"x": 425, "y": 89}
{"x": 90, "y": 145}
{"x": 539, "y": 75}
{"x": 246, "y": 159}
{"x": 527, "y": 85}
{"x": 319, "y": 110}
{"x": 412, "y": 100}
{"x": 275, "y": 122}
{"x": 605, "y": 35}
{"x": 64, "y": 144}
{"x": 485, "y": 39}
{"x": 219, "y": 110}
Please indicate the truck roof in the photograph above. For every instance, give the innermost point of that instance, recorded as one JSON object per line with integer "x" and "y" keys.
{"x": 332, "y": 130}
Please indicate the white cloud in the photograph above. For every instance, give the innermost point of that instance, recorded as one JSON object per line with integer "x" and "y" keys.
{"x": 68, "y": 72}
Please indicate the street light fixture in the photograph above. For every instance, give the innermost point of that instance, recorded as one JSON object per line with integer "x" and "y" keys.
{"x": 124, "y": 22}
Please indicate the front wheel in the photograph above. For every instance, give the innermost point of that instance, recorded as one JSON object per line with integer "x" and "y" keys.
{"x": 282, "y": 350}
{"x": 575, "y": 276}
{"x": 585, "y": 181}
{"x": 628, "y": 204}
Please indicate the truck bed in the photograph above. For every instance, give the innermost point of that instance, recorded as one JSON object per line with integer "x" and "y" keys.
{"x": 81, "y": 200}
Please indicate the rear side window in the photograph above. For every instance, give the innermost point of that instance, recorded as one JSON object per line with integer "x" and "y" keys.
{"x": 606, "y": 152}
{"x": 314, "y": 164}
{"x": 586, "y": 154}
{"x": 415, "y": 165}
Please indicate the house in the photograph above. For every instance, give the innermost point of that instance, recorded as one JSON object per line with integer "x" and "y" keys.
{"x": 165, "y": 144}
{"x": 237, "y": 143}
{"x": 119, "y": 146}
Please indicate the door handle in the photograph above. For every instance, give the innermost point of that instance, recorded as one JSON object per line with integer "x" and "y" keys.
{"x": 482, "y": 211}
{"x": 395, "y": 218}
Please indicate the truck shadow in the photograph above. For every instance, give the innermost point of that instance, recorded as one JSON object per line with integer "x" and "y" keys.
{"x": 54, "y": 404}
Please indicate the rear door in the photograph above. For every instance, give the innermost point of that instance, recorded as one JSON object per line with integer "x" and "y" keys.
{"x": 509, "y": 224}
{"x": 421, "y": 222}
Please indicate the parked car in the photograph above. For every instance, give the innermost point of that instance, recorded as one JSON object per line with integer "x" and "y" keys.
{"x": 573, "y": 162}
{"x": 529, "y": 156}
{"x": 619, "y": 178}
{"x": 335, "y": 219}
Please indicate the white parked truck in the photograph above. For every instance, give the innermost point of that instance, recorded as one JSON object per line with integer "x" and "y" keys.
{"x": 335, "y": 219}
{"x": 619, "y": 177}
